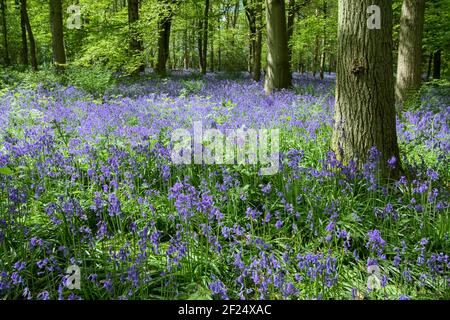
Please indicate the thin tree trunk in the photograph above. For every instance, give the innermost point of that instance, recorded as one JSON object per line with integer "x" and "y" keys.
{"x": 135, "y": 45}
{"x": 7, "y": 60}
{"x": 236, "y": 13}
{"x": 437, "y": 64}
{"x": 430, "y": 64}
{"x": 365, "y": 100}
{"x": 257, "y": 49}
{"x": 23, "y": 28}
{"x": 324, "y": 41}
{"x": 205, "y": 37}
{"x": 59, "y": 54}
{"x": 211, "y": 54}
{"x": 253, "y": 10}
{"x": 316, "y": 56}
{"x": 278, "y": 74}
{"x": 200, "y": 44}
{"x": 185, "y": 49}
{"x": 219, "y": 51}
{"x": 409, "y": 67}
{"x": 33, "y": 58}
{"x": 290, "y": 27}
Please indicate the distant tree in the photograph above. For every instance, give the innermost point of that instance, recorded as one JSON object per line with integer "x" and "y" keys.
{"x": 278, "y": 75}
{"x": 365, "y": 101}
{"x": 409, "y": 67}
{"x": 56, "y": 22}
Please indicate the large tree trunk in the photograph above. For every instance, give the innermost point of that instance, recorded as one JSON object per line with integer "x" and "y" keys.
{"x": 278, "y": 74}
{"x": 135, "y": 45}
{"x": 59, "y": 54}
{"x": 34, "y": 64}
{"x": 365, "y": 101}
{"x": 5, "y": 33}
{"x": 164, "y": 26}
{"x": 205, "y": 37}
{"x": 437, "y": 64}
{"x": 409, "y": 69}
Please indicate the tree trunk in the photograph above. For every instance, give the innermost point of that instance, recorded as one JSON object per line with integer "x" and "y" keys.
{"x": 7, "y": 61}
{"x": 33, "y": 58}
{"x": 365, "y": 100}
{"x": 430, "y": 64}
{"x": 185, "y": 49}
{"x": 164, "y": 28}
{"x": 236, "y": 13}
{"x": 253, "y": 10}
{"x": 135, "y": 44}
{"x": 409, "y": 67}
{"x": 290, "y": 27}
{"x": 205, "y": 37}
{"x": 23, "y": 28}
{"x": 200, "y": 44}
{"x": 219, "y": 50}
{"x": 324, "y": 42}
{"x": 59, "y": 54}
{"x": 437, "y": 64}
{"x": 278, "y": 74}
{"x": 257, "y": 49}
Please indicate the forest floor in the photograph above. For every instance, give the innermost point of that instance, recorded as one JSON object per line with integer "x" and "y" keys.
{"x": 86, "y": 180}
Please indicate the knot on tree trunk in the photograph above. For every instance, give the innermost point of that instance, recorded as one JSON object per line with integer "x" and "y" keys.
{"x": 357, "y": 67}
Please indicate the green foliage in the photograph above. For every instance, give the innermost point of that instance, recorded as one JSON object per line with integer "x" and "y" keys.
{"x": 95, "y": 80}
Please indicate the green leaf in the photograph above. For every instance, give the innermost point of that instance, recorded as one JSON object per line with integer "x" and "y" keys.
{"x": 6, "y": 171}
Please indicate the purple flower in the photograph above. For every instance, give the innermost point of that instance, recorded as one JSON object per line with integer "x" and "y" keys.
{"x": 376, "y": 243}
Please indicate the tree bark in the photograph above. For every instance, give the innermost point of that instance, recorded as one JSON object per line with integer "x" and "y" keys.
{"x": 365, "y": 100}
{"x": 278, "y": 74}
{"x": 164, "y": 28}
{"x": 135, "y": 44}
{"x": 437, "y": 57}
{"x": 59, "y": 54}
{"x": 7, "y": 60}
{"x": 409, "y": 67}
